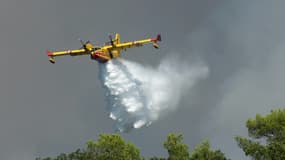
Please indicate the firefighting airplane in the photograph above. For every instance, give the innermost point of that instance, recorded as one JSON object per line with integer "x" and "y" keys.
{"x": 102, "y": 54}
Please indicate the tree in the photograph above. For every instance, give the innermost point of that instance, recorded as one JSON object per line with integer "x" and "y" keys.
{"x": 108, "y": 146}
{"x": 112, "y": 147}
{"x": 267, "y": 137}
{"x": 203, "y": 152}
{"x": 156, "y": 158}
{"x": 177, "y": 150}
{"x": 77, "y": 155}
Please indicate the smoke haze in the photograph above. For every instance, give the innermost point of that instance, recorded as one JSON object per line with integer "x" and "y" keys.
{"x": 243, "y": 44}
{"x": 137, "y": 95}
{"x": 51, "y": 109}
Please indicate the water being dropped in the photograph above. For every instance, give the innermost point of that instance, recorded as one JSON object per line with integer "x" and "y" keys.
{"x": 137, "y": 95}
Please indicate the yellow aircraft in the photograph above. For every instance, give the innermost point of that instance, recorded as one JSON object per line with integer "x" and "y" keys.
{"x": 102, "y": 54}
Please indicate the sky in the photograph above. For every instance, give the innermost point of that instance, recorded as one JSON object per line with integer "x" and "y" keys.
{"x": 48, "y": 109}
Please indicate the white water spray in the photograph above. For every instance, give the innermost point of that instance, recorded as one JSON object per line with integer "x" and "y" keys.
{"x": 137, "y": 95}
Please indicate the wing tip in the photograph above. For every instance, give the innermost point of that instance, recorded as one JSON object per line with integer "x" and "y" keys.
{"x": 49, "y": 53}
{"x": 158, "y": 38}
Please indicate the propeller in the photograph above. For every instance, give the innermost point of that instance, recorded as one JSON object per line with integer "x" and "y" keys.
{"x": 82, "y": 43}
{"x": 111, "y": 40}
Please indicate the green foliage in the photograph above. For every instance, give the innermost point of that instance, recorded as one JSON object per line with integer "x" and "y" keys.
{"x": 267, "y": 137}
{"x": 107, "y": 147}
{"x": 156, "y": 158}
{"x": 77, "y": 155}
{"x": 252, "y": 148}
{"x": 177, "y": 150}
{"x": 203, "y": 152}
{"x": 112, "y": 147}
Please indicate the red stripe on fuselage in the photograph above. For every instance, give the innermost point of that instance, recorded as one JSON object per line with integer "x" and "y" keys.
{"x": 99, "y": 57}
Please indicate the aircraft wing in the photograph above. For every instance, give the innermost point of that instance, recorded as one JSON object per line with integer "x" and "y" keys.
{"x": 76, "y": 52}
{"x": 139, "y": 43}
